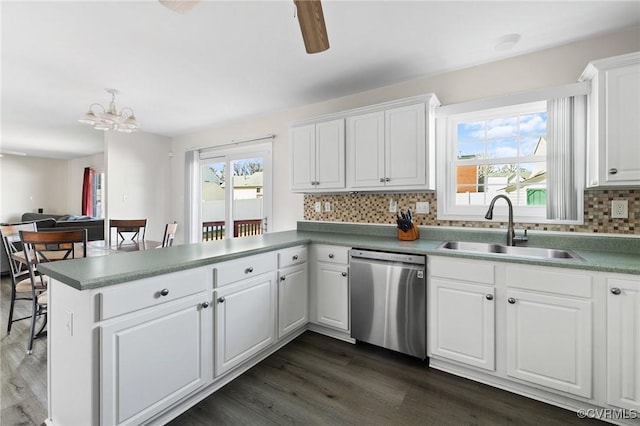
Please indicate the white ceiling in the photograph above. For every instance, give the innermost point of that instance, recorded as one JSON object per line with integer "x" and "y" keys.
{"x": 227, "y": 60}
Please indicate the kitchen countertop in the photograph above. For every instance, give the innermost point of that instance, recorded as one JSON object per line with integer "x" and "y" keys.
{"x": 599, "y": 254}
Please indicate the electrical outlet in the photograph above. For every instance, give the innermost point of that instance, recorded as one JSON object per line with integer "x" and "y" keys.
{"x": 422, "y": 207}
{"x": 318, "y": 207}
{"x": 620, "y": 209}
{"x": 393, "y": 206}
{"x": 327, "y": 206}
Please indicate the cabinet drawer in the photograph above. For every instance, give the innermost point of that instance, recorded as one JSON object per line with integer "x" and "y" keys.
{"x": 333, "y": 254}
{"x": 245, "y": 267}
{"x": 462, "y": 269}
{"x": 569, "y": 283}
{"x": 140, "y": 294}
{"x": 292, "y": 256}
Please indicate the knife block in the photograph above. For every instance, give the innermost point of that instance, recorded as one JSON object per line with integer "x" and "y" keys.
{"x": 410, "y": 235}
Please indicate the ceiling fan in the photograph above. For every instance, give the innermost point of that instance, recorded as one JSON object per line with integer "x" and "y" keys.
{"x": 310, "y": 17}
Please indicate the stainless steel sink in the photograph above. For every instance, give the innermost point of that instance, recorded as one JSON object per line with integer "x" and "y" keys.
{"x": 532, "y": 252}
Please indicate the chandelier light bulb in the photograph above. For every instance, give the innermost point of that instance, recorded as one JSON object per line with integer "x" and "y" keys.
{"x": 105, "y": 119}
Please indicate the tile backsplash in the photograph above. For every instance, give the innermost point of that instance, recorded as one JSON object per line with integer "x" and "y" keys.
{"x": 374, "y": 208}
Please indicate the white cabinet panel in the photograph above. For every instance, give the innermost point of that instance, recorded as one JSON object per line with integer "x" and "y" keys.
{"x": 549, "y": 341}
{"x": 302, "y": 147}
{"x": 333, "y": 295}
{"x": 317, "y": 156}
{"x": 365, "y": 150}
{"x": 462, "y": 322}
{"x": 245, "y": 320}
{"x": 622, "y": 137}
{"x": 293, "y": 300}
{"x": 613, "y": 139}
{"x": 405, "y": 146}
{"x": 153, "y": 359}
{"x": 623, "y": 342}
{"x": 387, "y": 149}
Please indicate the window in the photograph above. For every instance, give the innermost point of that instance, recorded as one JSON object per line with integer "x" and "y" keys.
{"x": 528, "y": 149}
{"x": 500, "y": 151}
{"x": 230, "y": 191}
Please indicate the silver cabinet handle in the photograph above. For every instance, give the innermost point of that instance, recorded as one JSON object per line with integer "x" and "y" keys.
{"x": 221, "y": 299}
{"x": 613, "y": 171}
{"x": 381, "y": 180}
{"x": 511, "y": 300}
{"x": 248, "y": 270}
{"x": 330, "y": 255}
{"x": 616, "y": 291}
{"x": 295, "y": 257}
{"x": 282, "y": 278}
{"x": 205, "y": 305}
{"x": 344, "y": 274}
{"x": 387, "y": 179}
{"x": 164, "y": 292}
{"x": 489, "y": 296}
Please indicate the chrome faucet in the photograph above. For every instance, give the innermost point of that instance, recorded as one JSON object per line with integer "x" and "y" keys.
{"x": 511, "y": 233}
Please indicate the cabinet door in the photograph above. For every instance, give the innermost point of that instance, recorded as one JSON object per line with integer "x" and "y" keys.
{"x": 330, "y": 155}
{"x": 622, "y": 146}
{"x": 405, "y": 146}
{"x": 365, "y": 150}
{"x": 332, "y": 295}
{"x": 293, "y": 301}
{"x": 302, "y": 157}
{"x": 623, "y": 343}
{"x": 549, "y": 341}
{"x": 245, "y": 320}
{"x": 462, "y": 322}
{"x": 152, "y": 359}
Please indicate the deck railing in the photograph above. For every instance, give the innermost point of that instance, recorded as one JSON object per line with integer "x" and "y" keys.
{"x": 215, "y": 230}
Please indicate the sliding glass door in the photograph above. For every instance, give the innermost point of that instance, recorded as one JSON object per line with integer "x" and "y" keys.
{"x": 235, "y": 192}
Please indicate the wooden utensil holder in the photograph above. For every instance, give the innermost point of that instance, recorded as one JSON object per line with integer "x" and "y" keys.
{"x": 410, "y": 235}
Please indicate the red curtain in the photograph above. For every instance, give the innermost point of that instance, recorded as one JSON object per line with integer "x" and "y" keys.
{"x": 87, "y": 192}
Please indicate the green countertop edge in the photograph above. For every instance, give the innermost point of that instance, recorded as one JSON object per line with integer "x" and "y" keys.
{"x": 96, "y": 272}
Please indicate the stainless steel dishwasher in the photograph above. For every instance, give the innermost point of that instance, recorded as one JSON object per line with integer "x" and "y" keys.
{"x": 388, "y": 300}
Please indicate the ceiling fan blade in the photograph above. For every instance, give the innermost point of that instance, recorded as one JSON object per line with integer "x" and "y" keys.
{"x": 180, "y": 6}
{"x": 314, "y": 31}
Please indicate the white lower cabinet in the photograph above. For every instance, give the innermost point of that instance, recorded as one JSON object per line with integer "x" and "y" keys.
{"x": 462, "y": 312}
{"x": 333, "y": 296}
{"x": 293, "y": 299}
{"x": 549, "y": 328}
{"x": 330, "y": 286}
{"x": 153, "y": 359}
{"x": 245, "y": 318}
{"x": 549, "y": 341}
{"x": 623, "y": 342}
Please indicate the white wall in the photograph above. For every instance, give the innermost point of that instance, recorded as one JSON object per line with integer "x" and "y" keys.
{"x": 75, "y": 176}
{"x": 138, "y": 174}
{"x": 29, "y": 183}
{"x": 552, "y": 67}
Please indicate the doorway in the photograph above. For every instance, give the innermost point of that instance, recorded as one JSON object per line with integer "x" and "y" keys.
{"x": 235, "y": 192}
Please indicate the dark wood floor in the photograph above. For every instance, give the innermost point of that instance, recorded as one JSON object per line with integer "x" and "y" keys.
{"x": 314, "y": 380}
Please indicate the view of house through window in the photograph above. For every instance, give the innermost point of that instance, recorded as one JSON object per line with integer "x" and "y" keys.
{"x": 232, "y": 190}
{"x": 502, "y": 152}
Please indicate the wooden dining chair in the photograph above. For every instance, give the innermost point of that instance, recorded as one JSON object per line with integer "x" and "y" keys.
{"x": 169, "y": 234}
{"x": 137, "y": 227}
{"x": 50, "y": 246}
{"x": 19, "y": 273}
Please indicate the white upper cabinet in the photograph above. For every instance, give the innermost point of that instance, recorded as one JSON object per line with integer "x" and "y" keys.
{"x": 388, "y": 146}
{"x": 365, "y": 150}
{"x": 317, "y": 157}
{"x": 387, "y": 149}
{"x": 614, "y": 128}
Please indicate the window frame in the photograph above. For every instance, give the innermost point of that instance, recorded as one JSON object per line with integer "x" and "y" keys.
{"x": 448, "y": 117}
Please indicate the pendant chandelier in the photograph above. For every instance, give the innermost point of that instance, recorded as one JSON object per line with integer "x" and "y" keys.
{"x": 102, "y": 118}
